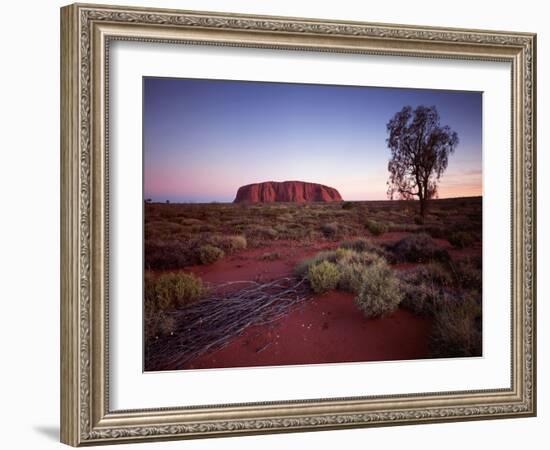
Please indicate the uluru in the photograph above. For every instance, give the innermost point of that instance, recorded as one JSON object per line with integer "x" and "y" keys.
{"x": 286, "y": 191}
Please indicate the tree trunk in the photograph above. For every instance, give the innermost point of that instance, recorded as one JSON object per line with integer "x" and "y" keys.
{"x": 423, "y": 207}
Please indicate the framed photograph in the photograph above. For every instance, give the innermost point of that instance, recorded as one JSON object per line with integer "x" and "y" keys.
{"x": 275, "y": 224}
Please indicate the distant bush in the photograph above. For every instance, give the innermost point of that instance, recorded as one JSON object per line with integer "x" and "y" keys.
{"x": 162, "y": 255}
{"x": 376, "y": 228}
{"x": 457, "y": 329}
{"x": 347, "y": 205}
{"x": 257, "y": 232}
{"x": 171, "y": 290}
{"x": 230, "y": 243}
{"x": 461, "y": 239}
{"x": 323, "y": 276}
{"x": 418, "y": 248}
{"x": 380, "y": 294}
{"x": 436, "y": 231}
{"x": 419, "y": 220}
{"x": 271, "y": 256}
{"x": 209, "y": 254}
{"x": 329, "y": 230}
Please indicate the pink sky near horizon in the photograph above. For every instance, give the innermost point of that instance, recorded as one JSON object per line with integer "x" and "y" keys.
{"x": 203, "y": 139}
{"x": 452, "y": 184}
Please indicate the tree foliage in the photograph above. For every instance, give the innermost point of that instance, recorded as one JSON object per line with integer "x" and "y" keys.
{"x": 420, "y": 149}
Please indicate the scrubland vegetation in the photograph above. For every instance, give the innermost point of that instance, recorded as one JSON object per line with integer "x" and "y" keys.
{"x": 381, "y": 252}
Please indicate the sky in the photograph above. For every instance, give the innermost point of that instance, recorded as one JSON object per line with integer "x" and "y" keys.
{"x": 203, "y": 139}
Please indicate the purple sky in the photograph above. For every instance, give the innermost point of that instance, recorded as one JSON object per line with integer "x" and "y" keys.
{"x": 205, "y": 138}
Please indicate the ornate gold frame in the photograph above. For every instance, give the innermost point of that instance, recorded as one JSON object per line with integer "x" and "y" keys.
{"x": 86, "y": 31}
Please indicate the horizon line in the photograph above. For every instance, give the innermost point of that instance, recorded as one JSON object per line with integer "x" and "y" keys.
{"x": 145, "y": 200}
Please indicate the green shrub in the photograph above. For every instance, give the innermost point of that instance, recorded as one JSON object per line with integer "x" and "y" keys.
{"x": 330, "y": 230}
{"x": 209, "y": 254}
{"x": 352, "y": 276}
{"x": 376, "y": 228}
{"x": 418, "y": 248}
{"x": 461, "y": 239}
{"x": 171, "y": 290}
{"x": 380, "y": 294}
{"x": 323, "y": 276}
{"x": 302, "y": 267}
{"x": 365, "y": 245}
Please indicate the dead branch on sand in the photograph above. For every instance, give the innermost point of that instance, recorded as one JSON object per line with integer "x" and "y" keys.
{"x": 214, "y": 321}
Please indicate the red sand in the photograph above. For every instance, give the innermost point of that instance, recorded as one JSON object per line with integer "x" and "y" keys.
{"x": 249, "y": 265}
{"x": 326, "y": 329}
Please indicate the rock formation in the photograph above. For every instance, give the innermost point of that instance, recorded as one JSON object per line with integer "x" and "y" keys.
{"x": 286, "y": 191}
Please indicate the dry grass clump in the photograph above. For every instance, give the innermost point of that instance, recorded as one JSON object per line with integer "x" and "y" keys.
{"x": 457, "y": 329}
{"x": 424, "y": 288}
{"x": 451, "y": 294}
{"x": 171, "y": 290}
{"x": 256, "y": 235}
{"x": 461, "y": 239}
{"x": 162, "y": 294}
{"x": 323, "y": 276}
{"x": 366, "y": 245}
{"x": 380, "y": 294}
{"x": 376, "y": 228}
{"x": 229, "y": 243}
{"x": 330, "y": 230}
{"x": 209, "y": 254}
{"x": 167, "y": 254}
{"x": 418, "y": 248}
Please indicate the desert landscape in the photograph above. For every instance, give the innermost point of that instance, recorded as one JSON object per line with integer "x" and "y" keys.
{"x": 278, "y": 283}
{"x": 291, "y": 224}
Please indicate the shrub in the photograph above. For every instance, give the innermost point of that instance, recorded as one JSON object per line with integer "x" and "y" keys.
{"x": 457, "y": 329}
{"x": 230, "y": 244}
{"x": 435, "y": 231}
{"x": 323, "y": 276}
{"x": 329, "y": 230}
{"x": 171, "y": 290}
{"x": 419, "y": 220}
{"x": 468, "y": 273}
{"x": 461, "y": 239}
{"x": 425, "y": 288}
{"x": 347, "y": 205}
{"x": 418, "y": 248}
{"x": 380, "y": 294}
{"x": 162, "y": 255}
{"x": 376, "y": 228}
{"x": 365, "y": 245}
{"x": 261, "y": 232}
{"x": 209, "y": 254}
{"x": 302, "y": 267}
{"x": 352, "y": 276}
